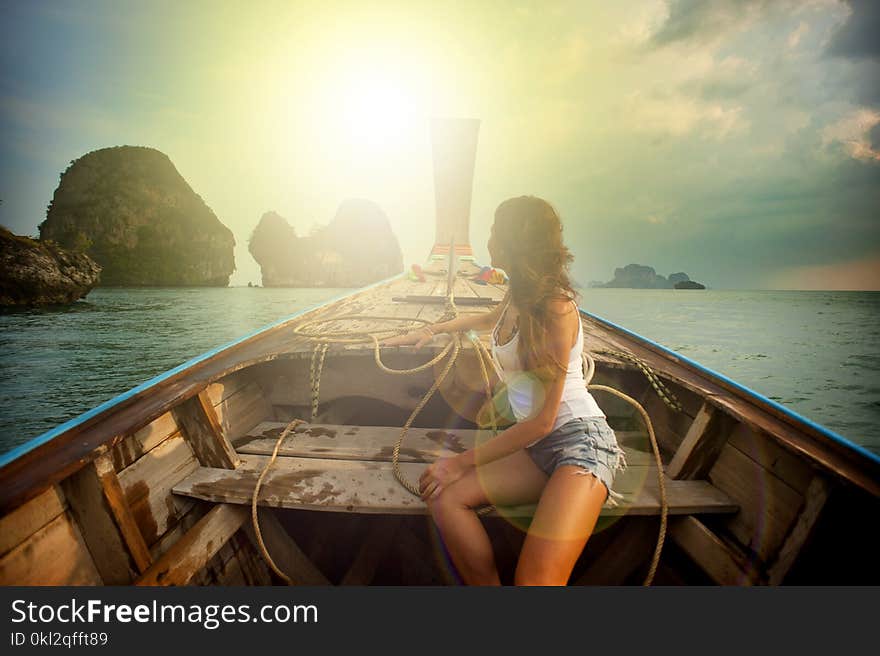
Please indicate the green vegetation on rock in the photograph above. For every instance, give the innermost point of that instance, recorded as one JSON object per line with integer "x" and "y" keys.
{"x": 130, "y": 210}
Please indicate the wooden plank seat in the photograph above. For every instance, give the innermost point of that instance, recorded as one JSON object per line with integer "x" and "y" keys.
{"x": 349, "y": 469}
{"x": 345, "y": 442}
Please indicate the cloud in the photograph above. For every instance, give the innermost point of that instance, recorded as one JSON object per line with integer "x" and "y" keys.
{"x": 709, "y": 21}
{"x": 797, "y": 34}
{"x": 677, "y": 115}
{"x": 696, "y": 20}
{"x": 859, "y": 36}
{"x": 704, "y": 21}
{"x": 874, "y": 137}
{"x": 728, "y": 79}
{"x": 856, "y": 133}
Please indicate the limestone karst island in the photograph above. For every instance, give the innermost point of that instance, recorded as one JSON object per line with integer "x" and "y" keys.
{"x": 125, "y": 217}
{"x": 121, "y": 216}
{"x": 638, "y": 276}
{"x": 131, "y": 211}
{"x": 329, "y": 256}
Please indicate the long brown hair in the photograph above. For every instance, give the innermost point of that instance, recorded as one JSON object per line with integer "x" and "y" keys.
{"x": 527, "y": 234}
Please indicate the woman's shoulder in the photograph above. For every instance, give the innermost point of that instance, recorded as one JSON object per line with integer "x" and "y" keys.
{"x": 562, "y": 303}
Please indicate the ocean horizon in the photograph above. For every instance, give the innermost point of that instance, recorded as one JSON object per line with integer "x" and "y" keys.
{"x": 815, "y": 352}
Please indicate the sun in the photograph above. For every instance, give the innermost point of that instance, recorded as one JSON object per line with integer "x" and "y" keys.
{"x": 376, "y": 112}
{"x": 377, "y": 103}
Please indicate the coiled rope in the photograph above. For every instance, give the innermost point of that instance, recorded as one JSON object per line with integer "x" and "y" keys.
{"x": 324, "y": 339}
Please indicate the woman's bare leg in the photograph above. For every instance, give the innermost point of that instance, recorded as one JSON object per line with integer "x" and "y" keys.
{"x": 565, "y": 518}
{"x": 512, "y": 480}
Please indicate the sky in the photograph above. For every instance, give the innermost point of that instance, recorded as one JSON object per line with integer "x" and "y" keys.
{"x": 735, "y": 140}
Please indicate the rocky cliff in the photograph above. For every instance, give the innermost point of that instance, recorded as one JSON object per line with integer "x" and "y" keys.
{"x": 638, "y": 276}
{"x": 40, "y": 273}
{"x": 355, "y": 249}
{"x": 131, "y": 211}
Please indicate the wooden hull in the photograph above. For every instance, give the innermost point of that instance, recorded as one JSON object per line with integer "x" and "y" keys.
{"x": 153, "y": 487}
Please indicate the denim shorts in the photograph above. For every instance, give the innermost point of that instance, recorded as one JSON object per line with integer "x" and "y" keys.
{"x": 587, "y": 442}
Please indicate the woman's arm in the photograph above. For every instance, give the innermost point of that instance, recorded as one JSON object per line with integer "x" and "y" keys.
{"x": 482, "y": 321}
{"x": 522, "y": 433}
{"x": 422, "y": 336}
{"x": 446, "y": 470}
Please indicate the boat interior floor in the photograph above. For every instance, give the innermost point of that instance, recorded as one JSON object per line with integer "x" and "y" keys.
{"x": 347, "y": 468}
{"x": 346, "y": 471}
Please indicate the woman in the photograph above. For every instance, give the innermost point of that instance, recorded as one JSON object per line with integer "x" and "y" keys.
{"x": 560, "y": 453}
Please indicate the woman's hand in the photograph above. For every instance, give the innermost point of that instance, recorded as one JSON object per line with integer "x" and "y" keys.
{"x": 418, "y": 337}
{"x": 442, "y": 473}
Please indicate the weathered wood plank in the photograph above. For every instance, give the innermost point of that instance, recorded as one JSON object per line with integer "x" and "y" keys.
{"x": 814, "y": 501}
{"x": 201, "y": 427}
{"x": 313, "y": 483}
{"x": 831, "y": 456}
{"x": 356, "y": 376}
{"x": 95, "y": 502}
{"x": 230, "y": 574}
{"x": 128, "y": 528}
{"x": 148, "y": 482}
{"x": 669, "y": 427}
{"x": 720, "y": 562}
{"x": 461, "y": 288}
{"x": 370, "y": 487}
{"x": 54, "y": 555}
{"x": 242, "y": 411}
{"x": 765, "y": 450}
{"x": 30, "y": 517}
{"x": 701, "y": 445}
{"x": 767, "y": 505}
{"x": 284, "y": 550}
{"x": 348, "y": 442}
{"x": 195, "y": 549}
{"x": 253, "y": 566}
{"x": 134, "y": 446}
{"x": 187, "y": 521}
{"x": 228, "y": 385}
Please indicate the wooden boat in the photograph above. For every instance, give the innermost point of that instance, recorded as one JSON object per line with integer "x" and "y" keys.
{"x": 155, "y": 486}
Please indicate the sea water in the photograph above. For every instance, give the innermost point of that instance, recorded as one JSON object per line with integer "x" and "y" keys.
{"x": 817, "y": 353}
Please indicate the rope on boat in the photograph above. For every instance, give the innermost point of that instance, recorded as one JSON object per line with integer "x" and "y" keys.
{"x": 317, "y": 365}
{"x": 664, "y": 504}
{"x": 662, "y": 391}
{"x": 256, "y": 495}
{"x": 363, "y": 336}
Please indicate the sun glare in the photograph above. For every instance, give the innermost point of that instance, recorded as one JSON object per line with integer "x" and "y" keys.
{"x": 369, "y": 100}
{"x": 376, "y": 112}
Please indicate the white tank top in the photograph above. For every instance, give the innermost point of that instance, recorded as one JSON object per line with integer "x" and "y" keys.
{"x": 525, "y": 391}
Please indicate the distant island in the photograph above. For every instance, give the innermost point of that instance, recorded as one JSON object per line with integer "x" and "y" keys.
{"x": 688, "y": 284}
{"x": 129, "y": 210}
{"x": 355, "y": 249}
{"x": 639, "y": 276}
